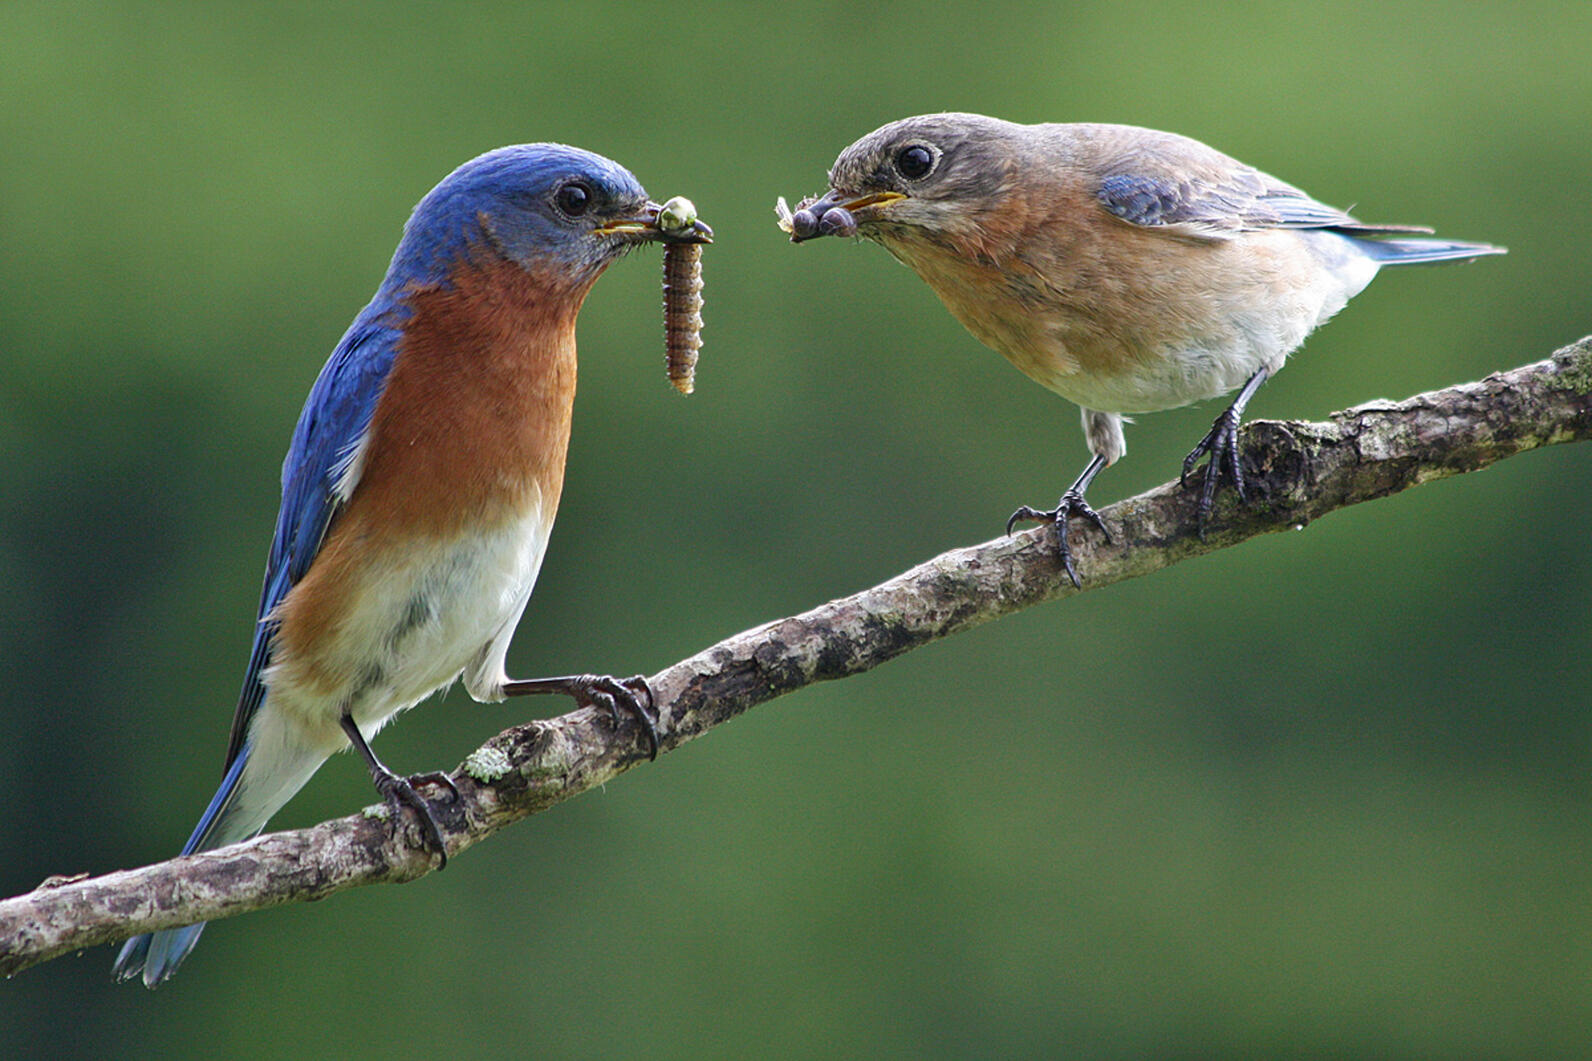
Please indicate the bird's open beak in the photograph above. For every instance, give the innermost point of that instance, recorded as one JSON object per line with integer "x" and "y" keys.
{"x": 836, "y": 214}
{"x": 644, "y": 228}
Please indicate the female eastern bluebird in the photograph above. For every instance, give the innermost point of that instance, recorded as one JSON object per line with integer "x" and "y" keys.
{"x": 420, "y": 487}
{"x": 1127, "y": 270}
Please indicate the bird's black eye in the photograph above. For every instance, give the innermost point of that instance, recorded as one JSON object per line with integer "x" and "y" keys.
{"x": 574, "y": 198}
{"x": 914, "y": 162}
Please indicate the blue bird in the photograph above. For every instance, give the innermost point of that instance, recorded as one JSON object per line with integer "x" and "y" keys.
{"x": 420, "y": 487}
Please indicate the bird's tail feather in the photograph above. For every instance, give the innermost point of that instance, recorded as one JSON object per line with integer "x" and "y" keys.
{"x": 248, "y": 796}
{"x": 1415, "y": 251}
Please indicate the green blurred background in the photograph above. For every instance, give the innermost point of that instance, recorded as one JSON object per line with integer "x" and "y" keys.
{"x": 1325, "y": 794}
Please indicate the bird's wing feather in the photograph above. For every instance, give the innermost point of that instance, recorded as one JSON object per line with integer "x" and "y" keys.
{"x": 1220, "y": 204}
{"x": 316, "y": 480}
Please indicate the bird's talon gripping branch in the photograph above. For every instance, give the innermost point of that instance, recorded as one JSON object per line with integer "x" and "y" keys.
{"x": 1126, "y": 269}
{"x": 1221, "y": 444}
{"x": 1071, "y": 504}
{"x": 1024, "y": 514}
{"x": 473, "y": 327}
{"x": 602, "y": 692}
{"x": 636, "y": 695}
{"x": 399, "y": 792}
{"x": 437, "y": 777}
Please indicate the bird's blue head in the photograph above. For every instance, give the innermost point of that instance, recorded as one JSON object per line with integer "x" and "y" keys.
{"x": 548, "y": 208}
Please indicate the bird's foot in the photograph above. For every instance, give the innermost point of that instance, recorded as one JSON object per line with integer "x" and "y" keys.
{"x": 1221, "y": 444}
{"x": 633, "y": 693}
{"x": 1071, "y": 504}
{"x": 399, "y": 792}
{"x": 602, "y": 691}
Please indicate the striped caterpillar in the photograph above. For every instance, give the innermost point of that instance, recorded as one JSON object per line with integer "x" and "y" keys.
{"x": 682, "y": 296}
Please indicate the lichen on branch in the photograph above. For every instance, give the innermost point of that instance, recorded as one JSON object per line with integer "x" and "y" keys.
{"x": 1296, "y": 472}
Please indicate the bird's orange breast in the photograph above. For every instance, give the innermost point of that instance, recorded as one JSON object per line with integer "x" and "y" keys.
{"x": 476, "y": 411}
{"x": 469, "y": 436}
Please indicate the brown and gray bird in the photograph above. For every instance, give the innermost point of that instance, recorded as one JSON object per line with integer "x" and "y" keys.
{"x": 1126, "y": 269}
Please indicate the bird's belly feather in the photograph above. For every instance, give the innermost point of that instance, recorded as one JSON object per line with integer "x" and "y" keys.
{"x": 408, "y": 623}
{"x": 1191, "y": 374}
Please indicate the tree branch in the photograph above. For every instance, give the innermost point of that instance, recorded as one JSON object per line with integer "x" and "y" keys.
{"x": 1296, "y": 473}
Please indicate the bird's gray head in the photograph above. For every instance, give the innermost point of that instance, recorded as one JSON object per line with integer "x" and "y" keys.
{"x": 936, "y": 175}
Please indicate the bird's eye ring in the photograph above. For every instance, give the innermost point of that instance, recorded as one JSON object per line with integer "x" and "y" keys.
{"x": 914, "y": 162}
{"x": 573, "y": 199}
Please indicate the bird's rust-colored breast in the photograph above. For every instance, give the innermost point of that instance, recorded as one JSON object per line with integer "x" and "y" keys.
{"x": 476, "y": 411}
{"x": 470, "y": 434}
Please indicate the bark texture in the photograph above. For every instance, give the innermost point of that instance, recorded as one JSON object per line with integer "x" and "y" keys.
{"x": 1296, "y": 472}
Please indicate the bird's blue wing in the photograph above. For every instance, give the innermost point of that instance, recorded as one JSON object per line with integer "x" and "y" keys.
{"x": 329, "y": 429}
{"x": 1218, "y": 205}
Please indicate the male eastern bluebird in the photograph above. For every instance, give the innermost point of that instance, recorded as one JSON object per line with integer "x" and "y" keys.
{"x": 420, "y": 487}
{"x": 1127, "y": 270}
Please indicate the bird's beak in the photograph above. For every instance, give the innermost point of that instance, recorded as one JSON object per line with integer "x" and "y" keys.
{"x": 644, "y": 228}
{"x": 838, "y": 214}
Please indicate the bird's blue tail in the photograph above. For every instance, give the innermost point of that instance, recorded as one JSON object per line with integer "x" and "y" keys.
{"x": 155, "y": 956}
{"x": 272, "y": 764}
{"x": 1415, "y": 251}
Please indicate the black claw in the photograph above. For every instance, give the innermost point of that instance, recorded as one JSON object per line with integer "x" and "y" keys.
{"x": 1221, "y": 444}
{"x": 639, "y": 700}
{"x": 601, "y": 691}
{"x": 399, "y": 792}
{"x": 1071, "y": 504}
{"x": 605, "y": 691}
{"x": 437, "y": 777}
{"x": 1083, "y": 509}
{"x": 1024, "y": 513}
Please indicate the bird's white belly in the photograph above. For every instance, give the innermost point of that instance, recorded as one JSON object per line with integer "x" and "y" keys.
{"x": 419, "y": 618}
{"x": 455, "y": 602}
{"x": 1212, "y": 347}
{"x": 1185, "y": 376}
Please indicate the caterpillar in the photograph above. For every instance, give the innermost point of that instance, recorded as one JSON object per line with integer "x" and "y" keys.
{"x": 682, "y": 312}
{"x": 682, "y": 297}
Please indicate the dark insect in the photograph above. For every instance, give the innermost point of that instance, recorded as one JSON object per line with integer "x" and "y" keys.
{"x": 837, "y": 221}
{"x": 803, "y": 224}
{"x": 682, "y": 312}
